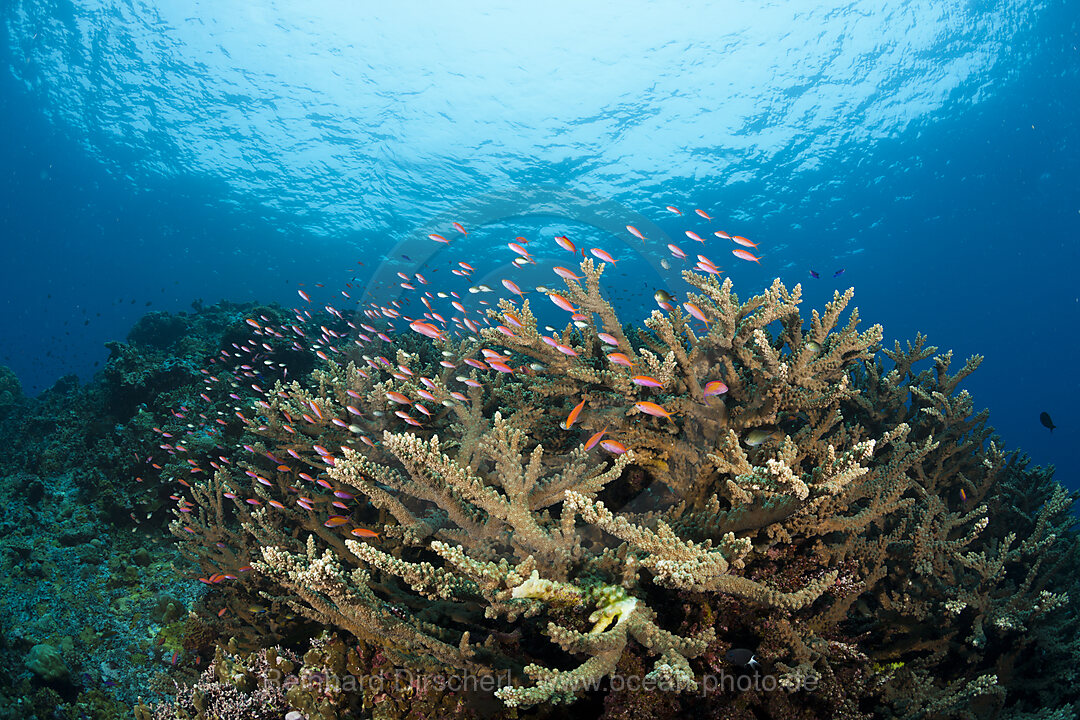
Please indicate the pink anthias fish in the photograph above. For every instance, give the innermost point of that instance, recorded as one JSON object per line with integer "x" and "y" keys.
{"x": 603, "y": 255}
{"x": 651, "y": 408}
{"x": 512, "y": 287}
{"x": 744, "y": 255}
{"x": 714, "y": 388}
{"x": 565, "y": 243}
{"x": 635, "y": 232}
{"x": 426, "y": 329}
{"x": 613, "y": 446}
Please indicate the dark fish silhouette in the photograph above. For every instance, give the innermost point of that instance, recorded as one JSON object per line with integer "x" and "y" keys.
{"x": 838, "y": 273}
{"x": 1044, "y": 418}
{"x": 813, "y": 274}
{"x": 742, "y": 656}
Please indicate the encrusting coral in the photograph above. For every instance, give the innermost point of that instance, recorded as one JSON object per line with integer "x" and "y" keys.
{"x": 759, "y": 481}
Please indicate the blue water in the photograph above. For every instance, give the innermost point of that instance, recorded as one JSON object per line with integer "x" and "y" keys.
{"x": 153, "y": 154}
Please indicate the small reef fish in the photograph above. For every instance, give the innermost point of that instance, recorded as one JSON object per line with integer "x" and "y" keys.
{"x": 814, "y": 274}
{"x": 603, "y": 255}
{"x": 460, "y": 228}
{"x": 519, "y": 250}
{"x": 591, "y": 442}
{"x": 696, "y": 312}
{"x": 426, "y": 329}
{"x": 438, "y": 238}
{"x": 573, "y": 416}
{"x": 364, "y": 533}
{"x": 757, "y": 436}
{"x": 566, "y": 274}
{"x": 565, "y": 244}
{"x": 608, "y": 339}
{"x": 562, "y": 302}
{"x": 620, "y": 359}
{"x": 646, "y": 381}
{"x": 694, "y": 236}
{"x": 714, "y": 388}
{"x": 613, "y": 446}
{"x": 745, "y": 255}
{"x": 743, "y": 241}
{"x": 703, "y": 214}
{"x": 742, "y": 656}
{"x": 1044, "y": 418}
{"x": 512, "y": 287}
{"x": 635, "y": 232}
{"x": 671, "y": 208}
{"x": 651, "y": 408}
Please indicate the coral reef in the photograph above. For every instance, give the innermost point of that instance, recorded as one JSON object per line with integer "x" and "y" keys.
{"x": 748, "y": 516}
{"x": 765, "y": 484}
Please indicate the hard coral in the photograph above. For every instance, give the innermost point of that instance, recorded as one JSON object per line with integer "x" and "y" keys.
{"x": 849, "y": 520}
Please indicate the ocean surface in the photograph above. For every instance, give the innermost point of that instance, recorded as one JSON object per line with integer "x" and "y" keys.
{"x": 154, "y": 154}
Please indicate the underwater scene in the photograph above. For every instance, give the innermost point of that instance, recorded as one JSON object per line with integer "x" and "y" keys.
{"x": 485, "y": 361}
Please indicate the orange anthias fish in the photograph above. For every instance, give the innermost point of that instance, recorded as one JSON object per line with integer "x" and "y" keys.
{"x": 696, "y": 312}
{"x": 335, "y": 521}
{"x": 564, "y": 243}
{"x": 573, "y": 416}
{"x": 703, "y": 214}
{"x": 460, "y": 228}
{"x": 562, "y": 302}
{"x": 613, "y": 446}
{"x": 364, "y": 532}
{"x": 745, "y": 255}
{"x": 651, "y": 408}
{"x": 743, "y": 241}
{"x": 591, "y": 442}
{"x": 646, "y": 381}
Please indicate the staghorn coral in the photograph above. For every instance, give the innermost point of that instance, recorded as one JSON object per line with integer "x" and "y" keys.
{"x": 815, "y": 511}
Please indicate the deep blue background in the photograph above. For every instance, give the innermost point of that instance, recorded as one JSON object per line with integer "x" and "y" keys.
{"x": 964, "y": 225}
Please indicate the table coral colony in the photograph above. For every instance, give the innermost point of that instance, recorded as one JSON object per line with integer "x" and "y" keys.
{"x": 733, "y": 481}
